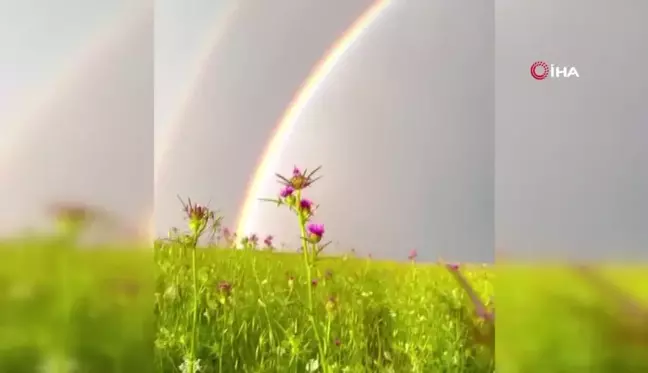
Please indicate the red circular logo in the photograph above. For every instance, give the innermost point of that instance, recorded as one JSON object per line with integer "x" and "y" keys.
{"x": 544, "y": 70}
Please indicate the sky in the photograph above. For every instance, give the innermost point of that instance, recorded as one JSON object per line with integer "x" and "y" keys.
{"x": 572, "y": 154}
{"x": 431, "y": 133}
{"x": 85, "y": 133}
{"x": 185, "y": 32}
{"x": 406, "y": 166}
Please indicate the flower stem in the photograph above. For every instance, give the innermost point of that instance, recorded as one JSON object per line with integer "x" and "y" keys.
{"x": 194, "y": 323}
{"x": 309, "y": 277}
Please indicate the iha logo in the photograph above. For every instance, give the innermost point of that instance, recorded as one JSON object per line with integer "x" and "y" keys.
{"x": 540, "y": 70}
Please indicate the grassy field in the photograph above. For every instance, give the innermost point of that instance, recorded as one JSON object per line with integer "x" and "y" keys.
{"x": 185, "y": 307}
{"x": 255, "y": 314}
{"x": 63, "y": 307}
{"x": 92, "y": 310}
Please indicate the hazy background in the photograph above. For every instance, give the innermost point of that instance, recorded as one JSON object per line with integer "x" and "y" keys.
{"x": 77, "y": 110}
{"x": 572, "y": 154}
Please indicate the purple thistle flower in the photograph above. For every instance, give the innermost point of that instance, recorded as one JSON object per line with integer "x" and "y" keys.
{"x": 268, "y": 240}
{"x": 412, "y": 254}
{"x": 316, "y": 231}
{"x": 314, "y": 282}
{"x": 195, "y": 211}
{"x": 306, "y": 205}
{"x": 254, "y": 239}
{"x": 299, "y": 180}
{"x": 286, "y": 191}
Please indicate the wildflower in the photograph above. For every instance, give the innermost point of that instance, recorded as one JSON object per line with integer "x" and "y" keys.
{"x": 196, "y": 211}
{"x": 314, "y": 282}
{"x": 316, "y": 231}
{"x": 198, "y": 216}
{"x": 412, "y": 255}
{"x": 306, "y": 206}
{"x": 337, "y": 342}
{"x": 268, "y": 241}
{"x": 286, "y": 191}
{"x": 227, "y": 234}
{"x": 254, "y": 239}
{"x": 299, "y": 180}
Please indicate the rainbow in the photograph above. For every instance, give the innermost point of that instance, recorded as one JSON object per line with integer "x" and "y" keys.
{"x": 283, "y": 130}
{"x": 220, "y": 29}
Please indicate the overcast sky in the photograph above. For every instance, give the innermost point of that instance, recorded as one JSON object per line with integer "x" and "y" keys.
{"x": 407, "y": 165}
{"x": 572, "y": 154}
{"x": 84, "y": 131}
{"x": 422, "y": 146}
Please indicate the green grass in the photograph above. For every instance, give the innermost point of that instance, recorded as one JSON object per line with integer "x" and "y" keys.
{"x": 178, "y": 307}
{"x": 381, "y": 316}
{"x": 65, "y": 310}
{"x": 550, "y": 319}
{"x": 94, "y": 309}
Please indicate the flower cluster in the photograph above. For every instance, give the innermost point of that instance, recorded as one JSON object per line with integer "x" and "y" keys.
{"x": 291, "y": 196}
{"x": 200, "y": 217}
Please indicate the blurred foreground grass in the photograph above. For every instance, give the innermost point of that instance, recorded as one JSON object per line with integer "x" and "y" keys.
{"x": 68, "y": 310}
{"x": 559, "y": 318}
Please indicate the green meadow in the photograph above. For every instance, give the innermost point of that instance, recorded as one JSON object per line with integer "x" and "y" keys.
{"x": 367, "y": 316}
{"x": 68, "y": 309}
{"x": 235, "y": 305}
